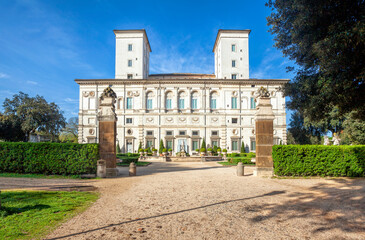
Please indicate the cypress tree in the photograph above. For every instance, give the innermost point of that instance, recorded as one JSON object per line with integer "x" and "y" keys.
{"x": 243, "y": 150}
{"x": 161, "y": 147}
{"x": 203, "y": 144}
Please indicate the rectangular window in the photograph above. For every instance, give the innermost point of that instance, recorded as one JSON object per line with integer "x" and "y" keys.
{"x": 149, "y": 103}
{"x": 169, "y": 144}
{"x": 253, "y": 145}
{"x": 214, "y": 133}
{"x": 168, "y": 104}
{"x": 233, "y": 63}
{"x": 234, "y": 103}
{"x": 149, "y": 143}
{"x": 234, "y": 145}
{"x": 195, "y": 145}
{"x": 195, "y": 133}
{"x": 129, "y": 103}
{"x": 149, "y": 133}
{"x": 129, "y": 120}
{"x": 130, "y": 47}
{"x": 181, "y": 104}
{"x": 182, "y": 132}
{"x": 213, "y": 103}
{"x": 129, "y": 63}
{"x": 130, "y": 76}
{"x": 253, "y": 103}
{"x": 194, "y": 103}
{"x": 234, "y": 76}
{"x": 233, "y": 47}
{"x": 234, "y": 120}
{"x": 168, "y": 133}
{"x": 214, "y": 143}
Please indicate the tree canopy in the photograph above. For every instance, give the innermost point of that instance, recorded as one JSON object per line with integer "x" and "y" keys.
{"x": 326, "y": 39}
{"x": 27, "y": 115}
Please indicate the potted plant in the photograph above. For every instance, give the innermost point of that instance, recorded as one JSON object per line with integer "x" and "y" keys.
{"x": 140, "y": 152}
{"x": 224, "y": 153}
{"x": 146, "y": 152}
{"x": 209, "y": 152}
{"x": 219, "y": 151}
{"x": 154, "y": 150}
{"x": 202, "y": 151}
{"x": 170, "y": 151}
{"x": 164, "y": 151}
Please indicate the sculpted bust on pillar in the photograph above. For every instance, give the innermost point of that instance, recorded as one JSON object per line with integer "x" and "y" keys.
{"x": 107, "y": 131}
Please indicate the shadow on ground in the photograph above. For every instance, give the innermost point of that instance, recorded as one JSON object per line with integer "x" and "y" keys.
{"x": 340, "y": 205}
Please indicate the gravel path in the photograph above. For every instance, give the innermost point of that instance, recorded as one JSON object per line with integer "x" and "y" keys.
{"x": 207, "y": 201}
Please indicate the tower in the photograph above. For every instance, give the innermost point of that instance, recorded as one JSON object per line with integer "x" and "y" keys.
{"x": 132, "y": 53}
{"x": 231, "y": 54}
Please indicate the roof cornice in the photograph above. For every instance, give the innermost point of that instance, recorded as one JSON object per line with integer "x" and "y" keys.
{"x": 182, "y": 81}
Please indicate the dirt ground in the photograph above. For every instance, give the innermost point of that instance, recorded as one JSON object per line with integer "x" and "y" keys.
{"x": 207, "y": 201}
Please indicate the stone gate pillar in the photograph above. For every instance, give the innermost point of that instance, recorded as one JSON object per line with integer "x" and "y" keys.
{"x": 264, "y": 128}
{"x": 107, "y": 131}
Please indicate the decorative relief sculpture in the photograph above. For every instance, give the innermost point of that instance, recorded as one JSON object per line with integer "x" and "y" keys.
{"x": 195, "y": 119}
{"x": 150, "y": 119}
{"x": 214, "y": 119}
{"x": 234, "y": 93}
{"x": 136, "y": 94}
{"x": 182, "y": 119}
{"x": 85, "y": 94}
{"x": 130, "y": 94}
{"x": 262, "y": 92}
{"x": 169, "y": 119}
{"x": 235, "y": 131}
{"x": 326, "y": 141}
{"x": 91, "y": 131}
{"x": 92, "y": 94}
{"x": 129, "y": 132}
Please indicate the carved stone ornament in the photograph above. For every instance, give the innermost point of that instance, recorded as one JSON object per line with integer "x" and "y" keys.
{"x": 215, "y": 119}
{"x": 253, "y": 131}
{"x": 235, "y": 131}
{"x": 92, "y": 94}
{"x": 108, "y": 92}
{"x": 262, "y": 93}
{"x": 169, "y": 119}
{"x": 130, "y": 94}
{"x": 150, "y": 119}
{"x": 234, "y": 93}
{"x": 129, "y": 132}
{"x": 182, "y": 119}
{"x": 85, "y": 94}
{"x": 136, "y": 94}
{"x": 91, "y": 131}
{"x": 195, "y": 119}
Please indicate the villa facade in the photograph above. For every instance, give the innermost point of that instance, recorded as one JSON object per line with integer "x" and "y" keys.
{"x": 182, "y": 109}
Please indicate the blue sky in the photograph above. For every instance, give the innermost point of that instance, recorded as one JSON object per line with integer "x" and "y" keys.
{"x": 45, "y": 45}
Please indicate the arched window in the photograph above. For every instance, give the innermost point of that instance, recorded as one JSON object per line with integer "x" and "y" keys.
{"x": 213, "y": 100}
{"x": 182, "y": 100}
{"x": 168, "y": 101}
{"x": 149, "y": 100}
{"x": 194, "y": 100}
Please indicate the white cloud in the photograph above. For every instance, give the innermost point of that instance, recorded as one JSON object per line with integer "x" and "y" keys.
{"x": 32, "y": 82}
{"x": 71, "y": 100}
{"x": 4, "y": 75}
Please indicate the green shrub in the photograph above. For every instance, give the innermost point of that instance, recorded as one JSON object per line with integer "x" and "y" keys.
{"x": 251, "y": 155}
{"x": 48, "y": 158}
{"x": 209, "y": 149}
{"x": 235, "y": 155}
{"x": 219, "y": 150}
{"x": 225, "y": 150}
{"x": 141, "y": 150}
{"x": 244, "y": 160}
{"x": 170, "y": 150}
{"x": 202, "y": 150}
{"x": 164, "y": 150}
{"x": 318, "y": 160}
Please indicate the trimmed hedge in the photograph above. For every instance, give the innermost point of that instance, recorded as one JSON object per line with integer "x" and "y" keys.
{"x": 48, "y": 158}
{"x": 128, "y": 157}
{"x": 318, "y": 160}
{"x": 244, "y": 160}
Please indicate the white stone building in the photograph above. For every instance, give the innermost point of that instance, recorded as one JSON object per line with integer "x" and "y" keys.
{"x": 181, "y": 108}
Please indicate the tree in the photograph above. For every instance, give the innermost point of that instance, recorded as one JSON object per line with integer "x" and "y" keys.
{"x": 203, "y": 144}
{"x": 140, "y": 146}
{"x": 299, "y": 133}
{"x": 118, "y": 148}
{"x": 34, "y": 114}
{"x": 354, "y": 130}
{"x": 243, "y": 150}
{"x": 70, "y": 132}
{"x": 10, "y": 129}
{"x": 326, "y": 41}
{"x": 161, "y": 147}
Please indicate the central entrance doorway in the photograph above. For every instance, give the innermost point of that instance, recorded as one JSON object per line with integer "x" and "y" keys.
{"x": 182, "y": 144}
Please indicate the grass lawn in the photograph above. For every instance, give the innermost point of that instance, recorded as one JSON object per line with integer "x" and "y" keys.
{"x": 233, "y": 164}
{"x": 34, "y": 175}
{"x": 138, "y": 164}
{"x": 34, "y": 214}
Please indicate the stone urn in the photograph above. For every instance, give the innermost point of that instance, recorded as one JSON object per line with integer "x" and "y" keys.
{"x": 170, "y": 153}
{"x": 145, "y": 153}
{"x": 202, "y": 154}
{"x": 164, "y": 153}
{"x": 224, "y": 155}
{"x": 209, "y": 153}
{"x": 155, "y": 153}
{"x": 141, "y": 154}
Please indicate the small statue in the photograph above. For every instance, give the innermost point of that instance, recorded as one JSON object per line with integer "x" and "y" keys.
{"x": 326, "y": 141}
{"x": 336, "y": 140}
{"x": 262, "y": 92}
{"x": 108, "y": 92}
